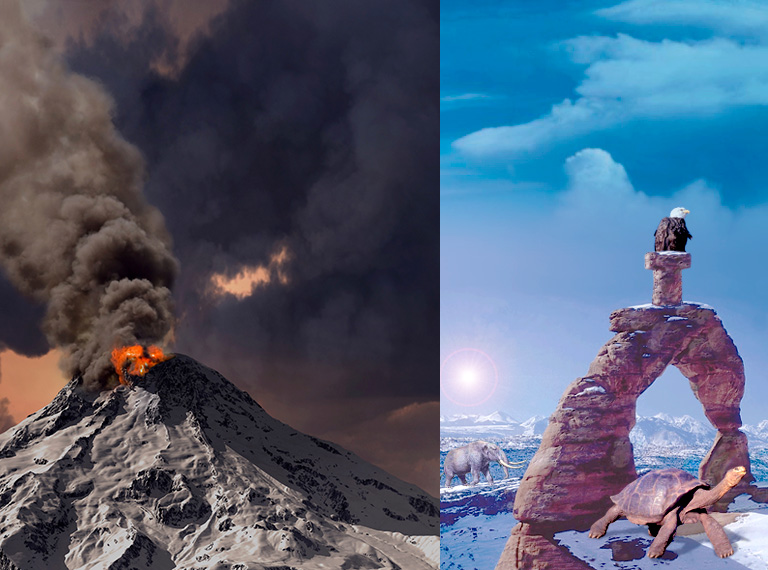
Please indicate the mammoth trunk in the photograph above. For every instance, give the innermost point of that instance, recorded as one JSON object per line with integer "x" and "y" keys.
{"x": 75, "y": 229}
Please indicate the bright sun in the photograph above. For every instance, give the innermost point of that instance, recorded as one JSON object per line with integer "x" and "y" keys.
{"x": 468, "y": 377}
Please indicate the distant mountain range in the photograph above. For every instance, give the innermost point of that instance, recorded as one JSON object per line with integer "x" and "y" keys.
{"x": 498, "y": 425}
{"x": 661, "y": 430}
{"x": 496, "y": 418}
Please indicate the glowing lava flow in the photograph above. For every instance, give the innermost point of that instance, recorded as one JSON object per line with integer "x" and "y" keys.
{"x": 136, "y": 360}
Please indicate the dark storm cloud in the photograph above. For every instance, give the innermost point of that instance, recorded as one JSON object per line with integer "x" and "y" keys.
{"x": 75, "y": 230}
{"x": 20, "y": 325}
{"x": 309, "y": 125}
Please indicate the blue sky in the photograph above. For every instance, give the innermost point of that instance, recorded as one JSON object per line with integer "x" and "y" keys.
{"x": 568, "y": 130}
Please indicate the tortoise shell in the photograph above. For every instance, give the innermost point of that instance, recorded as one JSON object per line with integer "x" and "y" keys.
{"x": 649, "y": 498}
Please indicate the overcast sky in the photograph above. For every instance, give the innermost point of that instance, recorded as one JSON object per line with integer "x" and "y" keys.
{"x": 291, "y": 148}
{"x": 568, "y": 130}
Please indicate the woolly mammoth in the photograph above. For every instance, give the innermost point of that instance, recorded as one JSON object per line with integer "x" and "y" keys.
{"x": 474, "y": 458}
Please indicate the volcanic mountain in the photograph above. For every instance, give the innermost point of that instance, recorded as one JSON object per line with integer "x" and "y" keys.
{"x": 181, "y": 469}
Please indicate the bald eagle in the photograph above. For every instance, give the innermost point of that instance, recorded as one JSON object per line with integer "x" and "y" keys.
{"x": 672, "y": 233}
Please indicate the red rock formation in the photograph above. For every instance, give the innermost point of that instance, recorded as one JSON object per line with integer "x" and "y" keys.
{"x": 667, "y": 280}
{"x": 535, "y": 549}
{"x": 585, "y": 454}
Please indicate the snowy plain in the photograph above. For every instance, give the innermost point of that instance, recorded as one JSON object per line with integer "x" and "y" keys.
{"x": 475, "y": 521}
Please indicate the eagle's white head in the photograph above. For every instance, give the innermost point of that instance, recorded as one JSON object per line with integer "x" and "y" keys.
{"x": 679, "y": 213}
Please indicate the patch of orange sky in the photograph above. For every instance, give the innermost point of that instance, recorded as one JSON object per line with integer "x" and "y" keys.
{"x": 29, "y": 383}
{"x": 249, "y": 278}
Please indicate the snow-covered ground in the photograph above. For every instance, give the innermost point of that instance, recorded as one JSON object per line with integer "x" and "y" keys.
{"x": 625, "y": 545}
{"x": 475, "y": 521}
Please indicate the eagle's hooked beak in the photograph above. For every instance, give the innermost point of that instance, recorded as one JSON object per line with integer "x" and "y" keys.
{"x": 686, "y": 212}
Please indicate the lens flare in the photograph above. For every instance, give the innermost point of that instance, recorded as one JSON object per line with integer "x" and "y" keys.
{"x": 136, "y": 360}
{"x": 468, "y": 377}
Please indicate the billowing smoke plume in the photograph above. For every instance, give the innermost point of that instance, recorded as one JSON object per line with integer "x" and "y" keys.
{"x": 75, "y": 230}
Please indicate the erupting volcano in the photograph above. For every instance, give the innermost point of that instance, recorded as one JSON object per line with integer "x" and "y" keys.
{"x": 184, "y": 470}
{"x": 136, "y": 360}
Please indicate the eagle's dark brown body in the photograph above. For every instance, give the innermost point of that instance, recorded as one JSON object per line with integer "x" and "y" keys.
{"x": 672, "y": 234}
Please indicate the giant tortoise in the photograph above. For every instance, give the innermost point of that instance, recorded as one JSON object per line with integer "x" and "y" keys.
{"x": 665, "y": 498}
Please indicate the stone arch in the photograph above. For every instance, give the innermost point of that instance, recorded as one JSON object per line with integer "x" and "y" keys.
{"x": 586, "y": 455}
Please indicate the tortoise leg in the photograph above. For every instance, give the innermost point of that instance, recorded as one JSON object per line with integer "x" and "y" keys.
{"x": 666, "y": 532}
{"x": 716, "y": 535}
{"x": 653, "y": 529}
{"x": 601, "y": 525}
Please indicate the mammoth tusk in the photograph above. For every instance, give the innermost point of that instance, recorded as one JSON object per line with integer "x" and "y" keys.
{"x": 516, "y": 465}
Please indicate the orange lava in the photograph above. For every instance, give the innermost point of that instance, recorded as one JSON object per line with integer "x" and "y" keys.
{"x": 136, "y": 360}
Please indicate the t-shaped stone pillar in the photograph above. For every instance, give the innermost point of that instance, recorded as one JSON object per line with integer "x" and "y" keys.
{"x": 667, "y": 280}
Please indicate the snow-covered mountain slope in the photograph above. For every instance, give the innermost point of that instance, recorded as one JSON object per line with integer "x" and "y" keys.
{"x": 495, "y": 418}
{"x": 663, "y": 430}
{"x": 184, "y": 470}
{"x": 535, "y": 426}
{"x": 757, "y": 434}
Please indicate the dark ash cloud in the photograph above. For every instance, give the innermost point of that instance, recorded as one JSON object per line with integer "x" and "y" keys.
{"x": 307, "y": 125}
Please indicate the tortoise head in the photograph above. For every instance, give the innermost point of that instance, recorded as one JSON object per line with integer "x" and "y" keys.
{"x": 733, "y": 476}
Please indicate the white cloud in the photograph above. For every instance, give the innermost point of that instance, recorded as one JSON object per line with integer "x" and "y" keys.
{"x": 647, "y": 79}
{"x": 594, "y": 175}
{"x": 463, "y": 97}
{"x": 567, "y": 119}
{"x": 732, "y": 16}
{"x": 628, "y": 79}
{"x": 450, "y": 102}
{"x": 599, "y": 189}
